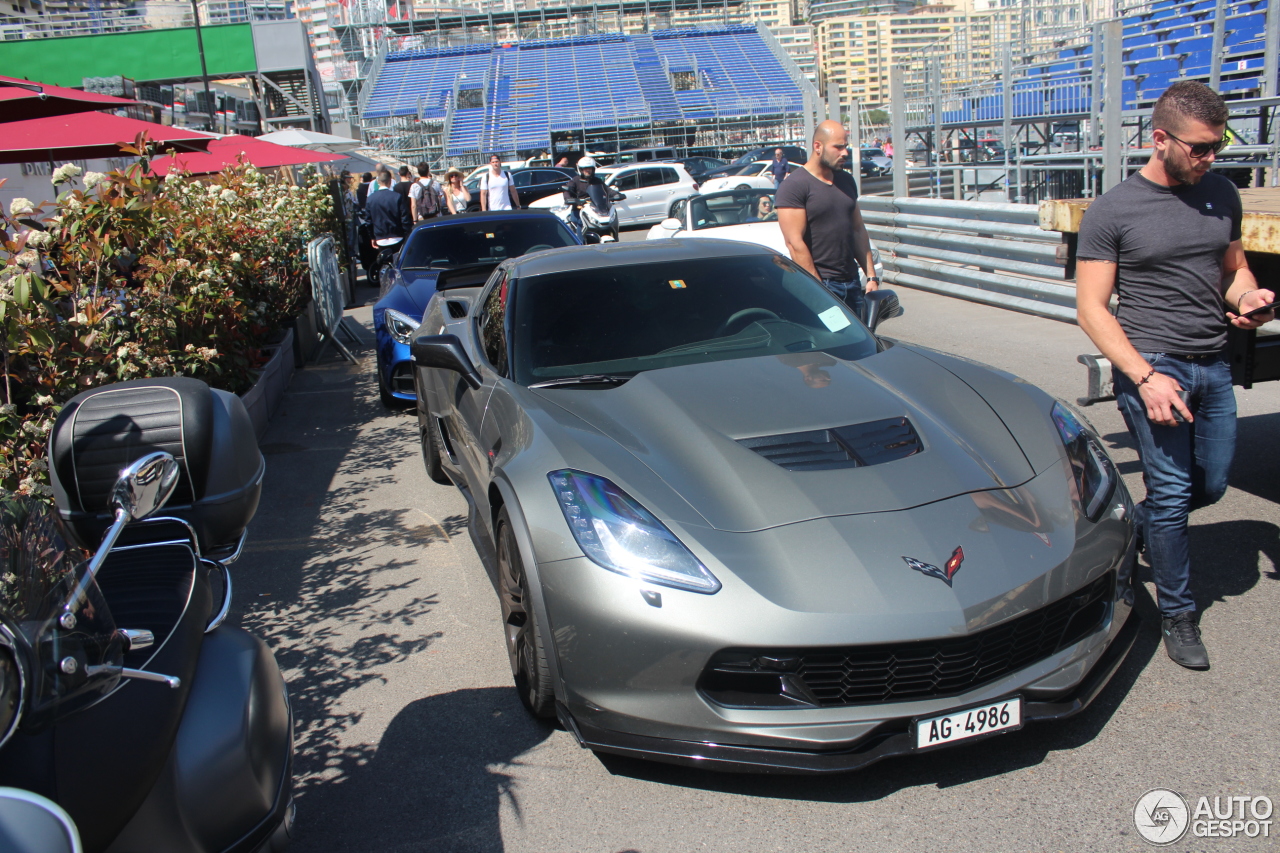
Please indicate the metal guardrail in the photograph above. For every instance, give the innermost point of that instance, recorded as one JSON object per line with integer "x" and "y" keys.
{"x": 984, "y": 252}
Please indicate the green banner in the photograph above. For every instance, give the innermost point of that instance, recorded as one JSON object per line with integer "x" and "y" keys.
{"x": 146, "y": 55}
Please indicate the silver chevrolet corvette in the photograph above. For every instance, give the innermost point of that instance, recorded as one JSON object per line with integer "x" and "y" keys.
{"x": 730, "y": 526}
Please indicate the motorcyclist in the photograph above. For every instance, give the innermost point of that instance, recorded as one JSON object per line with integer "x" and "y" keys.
{"x": 577, "y": 191}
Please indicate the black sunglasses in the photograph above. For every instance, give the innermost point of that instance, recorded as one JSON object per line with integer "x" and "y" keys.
{"x": 1201, "y": 149}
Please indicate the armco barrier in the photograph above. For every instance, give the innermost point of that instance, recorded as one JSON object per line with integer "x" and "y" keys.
{"x": 329, "y": 296}
{"x": 985, "y": 252}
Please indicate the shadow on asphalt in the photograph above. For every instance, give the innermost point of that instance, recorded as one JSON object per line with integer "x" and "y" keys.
{"x": 317, "y": 584}
{"x": 437, "y": 781}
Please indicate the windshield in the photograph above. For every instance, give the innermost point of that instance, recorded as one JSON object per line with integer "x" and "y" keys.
{"x": 599, "y": 197}
{"x": 56, "y": 610}
{"x": 626, "y": 319}
{"x": 483, "y": 241}
{"x": 732, "y": 208}
{"x": 872, "y": 152}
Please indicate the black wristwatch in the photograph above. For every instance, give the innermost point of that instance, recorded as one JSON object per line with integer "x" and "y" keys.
{"x": 873, "y": 278}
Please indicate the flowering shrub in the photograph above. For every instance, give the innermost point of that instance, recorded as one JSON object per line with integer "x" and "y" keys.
{"x": 136, "y": 276}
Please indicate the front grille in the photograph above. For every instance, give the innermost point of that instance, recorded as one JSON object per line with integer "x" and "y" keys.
{"x": 898, "y": 672}
{"x": 855, "y": 446}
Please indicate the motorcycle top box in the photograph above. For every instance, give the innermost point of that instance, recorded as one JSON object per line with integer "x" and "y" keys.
{"x": 101, "y": 431}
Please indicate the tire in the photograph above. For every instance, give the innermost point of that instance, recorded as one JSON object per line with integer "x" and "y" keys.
{"x": 431, "y": 454}
{"x": 525, "y": 640}
{"x": 743, "y": 187}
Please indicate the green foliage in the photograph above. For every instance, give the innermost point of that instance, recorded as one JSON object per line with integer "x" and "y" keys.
{"x": 137, "y": 276}
{"x": 877, "y": 117}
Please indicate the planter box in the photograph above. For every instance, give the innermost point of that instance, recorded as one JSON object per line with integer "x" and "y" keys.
{"x": 264, "y": 397}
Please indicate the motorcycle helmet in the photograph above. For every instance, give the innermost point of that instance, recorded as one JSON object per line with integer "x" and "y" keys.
{"x": 586, "y": 163}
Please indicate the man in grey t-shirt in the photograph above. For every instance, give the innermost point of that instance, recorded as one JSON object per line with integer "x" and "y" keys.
{"x": 818, "y": 212}
{"x": 1168, "y": 240}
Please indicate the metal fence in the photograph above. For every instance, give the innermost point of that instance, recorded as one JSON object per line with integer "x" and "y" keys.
{"x": 984, "y": 252}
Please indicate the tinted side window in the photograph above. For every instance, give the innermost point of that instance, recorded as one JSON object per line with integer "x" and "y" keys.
{"x": 546, "y": 176}
{"x": 627, "y": 181}
{"x": 492, "y": 322}
{"x": 651, "y": 177}
{"x": 670, "y": 175}
{"x": 522, "y": 179}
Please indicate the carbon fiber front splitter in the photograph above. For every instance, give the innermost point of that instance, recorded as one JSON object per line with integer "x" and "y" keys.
{"x": 892, "y": 738}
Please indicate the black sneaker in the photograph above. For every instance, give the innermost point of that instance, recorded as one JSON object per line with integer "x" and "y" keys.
{"x": 1182, "y": 641}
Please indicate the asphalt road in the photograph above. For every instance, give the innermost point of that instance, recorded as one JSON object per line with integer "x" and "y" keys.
{"x": 409, "y": 737}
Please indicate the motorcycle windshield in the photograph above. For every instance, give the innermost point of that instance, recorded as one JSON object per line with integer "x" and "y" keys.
{"x": 599, "y": 196}
{"x": 63, "y": 633}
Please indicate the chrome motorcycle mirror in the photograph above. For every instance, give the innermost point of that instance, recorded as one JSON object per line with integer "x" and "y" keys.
{"x": 142, "y": 488}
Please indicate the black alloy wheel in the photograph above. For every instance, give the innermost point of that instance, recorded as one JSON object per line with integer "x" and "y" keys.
{"x": 430, "y": 444}
{"x": 525, "y": 643}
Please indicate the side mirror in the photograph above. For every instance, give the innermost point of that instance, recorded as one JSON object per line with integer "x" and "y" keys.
{"x": 446, "y": 353}
{"x": 145, "y": 485}
{"x": 881, "y": 305}
{"x": 142, "y": 488}
{"x": 671, "y": 224}
{"x": 614, "y": 195}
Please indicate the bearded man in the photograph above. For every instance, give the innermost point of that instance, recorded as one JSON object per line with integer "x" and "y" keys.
{"x": 1167, "y": 239}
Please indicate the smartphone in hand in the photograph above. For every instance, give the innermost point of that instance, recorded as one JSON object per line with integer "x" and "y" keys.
{"x": 1184, "y": 395}
{"x": 1263, "y": 310}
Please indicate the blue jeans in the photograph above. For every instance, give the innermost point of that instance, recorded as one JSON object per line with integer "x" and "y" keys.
{"x": 850, "y": 292}
{"x": 1184, "y": 467}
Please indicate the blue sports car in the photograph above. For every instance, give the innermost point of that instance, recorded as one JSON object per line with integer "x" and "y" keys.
{"x": 469, "y": 245}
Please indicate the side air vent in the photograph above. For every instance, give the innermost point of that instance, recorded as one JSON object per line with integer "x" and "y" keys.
{"x": 457, "y": 309}
{"x": 853, "y": 446}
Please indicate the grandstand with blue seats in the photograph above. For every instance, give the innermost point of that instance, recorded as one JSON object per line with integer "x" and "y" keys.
{"x": 1172, "y": 40}
{"x": 600, "y": 90}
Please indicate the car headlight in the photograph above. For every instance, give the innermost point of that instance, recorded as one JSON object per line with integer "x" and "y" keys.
{"x": 401, "y": 326}
{"x": 1094, "y": 472}
{"x": 617, "y": 533}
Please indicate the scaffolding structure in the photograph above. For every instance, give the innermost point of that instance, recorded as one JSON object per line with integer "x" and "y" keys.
{"x": 1037, "y": 128}
{"x": 617, "y": 82}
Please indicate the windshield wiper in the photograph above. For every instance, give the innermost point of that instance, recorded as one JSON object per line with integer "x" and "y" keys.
{"x": 613, "y": 379}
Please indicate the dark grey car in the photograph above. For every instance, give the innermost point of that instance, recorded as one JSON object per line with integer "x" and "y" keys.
{"x": 730, "y": 526}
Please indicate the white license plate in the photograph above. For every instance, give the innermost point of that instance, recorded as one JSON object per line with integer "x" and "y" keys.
{"x": 997, "y": 716}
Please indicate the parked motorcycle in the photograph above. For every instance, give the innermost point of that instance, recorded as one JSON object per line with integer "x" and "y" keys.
{"x": 598, "y": 215}
{"x": 152, "y": 724}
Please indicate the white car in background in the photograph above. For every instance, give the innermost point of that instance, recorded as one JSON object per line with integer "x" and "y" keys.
{"x": 757, "y": 175}
{"x": 744, "y": 216}
{"x": 651, "y": 189}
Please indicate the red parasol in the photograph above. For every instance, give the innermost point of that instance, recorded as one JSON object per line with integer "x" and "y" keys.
{"x": 228, "y": 150}
{"x": 23, "y": 99}
{"x": 86, "y": 136}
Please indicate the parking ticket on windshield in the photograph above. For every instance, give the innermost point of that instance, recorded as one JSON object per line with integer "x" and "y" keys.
{"x": 834, "y": 319}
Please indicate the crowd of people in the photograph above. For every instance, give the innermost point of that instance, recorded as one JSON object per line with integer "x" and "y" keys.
{"x": 379, "y": 221}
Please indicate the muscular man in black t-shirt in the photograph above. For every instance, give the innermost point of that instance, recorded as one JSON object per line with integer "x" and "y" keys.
{"x": 818, "y": 212}
{"x": 1168, "y": 239}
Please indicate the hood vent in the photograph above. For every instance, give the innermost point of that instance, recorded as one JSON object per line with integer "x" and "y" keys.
{"x": 854, "y": 446}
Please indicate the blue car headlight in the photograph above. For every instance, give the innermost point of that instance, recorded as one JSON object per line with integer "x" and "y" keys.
{"x": 400, "y": 326}
{"x": 1094, "y": 472}
{"x": 617, "y": 533}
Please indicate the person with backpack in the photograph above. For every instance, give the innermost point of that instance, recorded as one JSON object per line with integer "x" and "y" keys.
{"x": 426, "y": 195}
{"x": 497, "y": 190}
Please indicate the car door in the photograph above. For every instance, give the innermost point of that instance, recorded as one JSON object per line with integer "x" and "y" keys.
{"x": 466, "y": 406}
{"x": 627, "y": 182}
{"x": 653, "y": 194}
{"x": 541, "y": 183}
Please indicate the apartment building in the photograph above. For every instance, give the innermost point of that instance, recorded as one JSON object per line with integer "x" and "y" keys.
{"x": 857, "y": 51}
